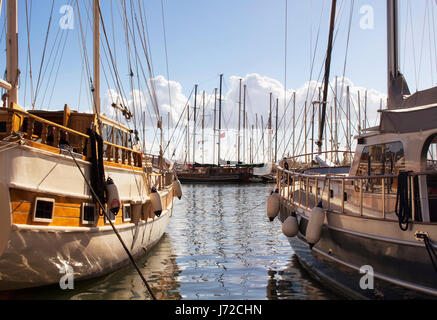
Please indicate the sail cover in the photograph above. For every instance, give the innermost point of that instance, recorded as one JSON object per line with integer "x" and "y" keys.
{"x": 409, "y": 119}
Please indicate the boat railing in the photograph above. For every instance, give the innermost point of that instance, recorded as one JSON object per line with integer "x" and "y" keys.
{"x": 50, "y": 133}
{"x": 294, "y": 187}
{"x": 331, "y": 155}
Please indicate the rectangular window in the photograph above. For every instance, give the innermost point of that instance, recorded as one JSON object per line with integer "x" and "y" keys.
{"x": 88, "y": 213}
{"x": 111, "y": 216}
{"x": 381, "y": 159}
{"x": 2, "y": 126}
{"x": 127, "y": 213}
{"x": 43, "y": 211}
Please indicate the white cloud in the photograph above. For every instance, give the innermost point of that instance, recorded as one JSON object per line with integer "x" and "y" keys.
{"x": 258, "y": 94}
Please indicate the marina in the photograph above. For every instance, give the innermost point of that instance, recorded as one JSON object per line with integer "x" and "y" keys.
{"x": 209, "y": 253}
{"x": 135, "y": 168}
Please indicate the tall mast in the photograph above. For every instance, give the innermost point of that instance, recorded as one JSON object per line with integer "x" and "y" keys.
{"x": 269, "y": 142}
{"x": 327, "y": 72}
{"x": 215, "y": 121}
{"x": 220, "y": 117}
{"x": 188, "y": 134}
{"x": 203, "y": 128}
{"x": 294, "y": 121}
{"x": 256, "y": 133}
{"x": 12, "y": 51}
{"x": 263, "y": 131}
{"x": 244, "y": 125}
{"x": 276, "y": 129}
{"x": 239, "y": 127}
{"x": 396, "y": 84}
{"x": 96, "y": 33}
{"x": 195, "y": 120}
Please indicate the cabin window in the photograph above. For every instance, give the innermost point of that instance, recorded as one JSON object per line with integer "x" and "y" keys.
{"x": 127, "y": 214}
{"x": 88, "y": 213}
{"x": 431, "y": 156}
{"x": 2, "y": 126}
{"x": 108, "y": 134}
{"x": 43, "y": 211}
{"x": 381, "y": 159}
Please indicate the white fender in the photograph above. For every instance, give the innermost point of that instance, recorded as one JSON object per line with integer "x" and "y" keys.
{"x": 177, "y": 189}
{"x": 155, "y": 199}
{"x": 273, "y": 205}
{"x": 5, "y": 217}
{"x": 290, "y": 226}
{"x": 113, "y": 196}
{"x": 315, "y": 224}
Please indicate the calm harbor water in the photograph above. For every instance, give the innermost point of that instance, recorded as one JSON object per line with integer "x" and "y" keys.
{"x": 219, "y": 245}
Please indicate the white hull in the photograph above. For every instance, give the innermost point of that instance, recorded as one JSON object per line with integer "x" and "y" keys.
{"x": 35, "y": 255}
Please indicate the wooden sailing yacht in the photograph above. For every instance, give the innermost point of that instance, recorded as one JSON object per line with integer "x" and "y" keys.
{"x": 69, "y": 191}
{"x": 370, "y": 231}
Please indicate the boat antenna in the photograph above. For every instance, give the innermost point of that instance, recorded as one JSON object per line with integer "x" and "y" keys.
{"x": 327, "y": 71}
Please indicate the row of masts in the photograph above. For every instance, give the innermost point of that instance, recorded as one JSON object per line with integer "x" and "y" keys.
{"x": 252, "y": 147}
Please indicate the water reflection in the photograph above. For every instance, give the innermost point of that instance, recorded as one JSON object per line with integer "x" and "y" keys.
{"x": 219, "y": 245}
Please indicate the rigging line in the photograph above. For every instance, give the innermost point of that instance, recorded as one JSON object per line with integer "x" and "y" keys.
{"x": 57, "y": 71}
{"x": 180, "y": 118}
{"x": 44, "y": 54}
{"x": 423, "y": 38}
{"x": 54, "y": 65}
{"x": 166, "y": 52}
{"x": 82, "y": 37}
{"x": 29, "y": 61}
{"x": 435, "y": 38}
{"x": 122, "y": 93}
{"x": 414, "y": 48}
{"x": 113, "y": 227}
{"x": 149, "y": 65}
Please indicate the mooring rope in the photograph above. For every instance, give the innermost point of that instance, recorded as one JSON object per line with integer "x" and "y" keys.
{"x": 113, "y": 227}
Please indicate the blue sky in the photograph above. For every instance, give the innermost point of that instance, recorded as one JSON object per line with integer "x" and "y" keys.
{"x": 236, "y": 38}
{"x": 206, "y": 38}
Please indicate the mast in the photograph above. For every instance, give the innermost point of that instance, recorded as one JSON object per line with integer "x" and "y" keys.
{"x": 396, "y": 84}
{"x": 269, "y": 142}
{"x": 239, "y": 126}
{"x": 188, "y": 134}
{"x": 215, "y": 121}
{"x": 359, "y": 113}
{"x": 262, "y": 131}
{"x": 194, "y": 125}
{"x": 220, "y": 117}
{"x": 327, "y": 72}
{"x": 13, "y": 72}
{"x": 276, "y": 134}
{"x": 294, "y": 120}
{"x": 244, "y": 124}
{"x": 203, "y": 128}
{"x": 306, "y": 133}
{"x": 256, "y": 133}
{"x": 96, "y": 54}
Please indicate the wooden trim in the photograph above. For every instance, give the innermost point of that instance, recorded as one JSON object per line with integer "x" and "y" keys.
{"x": 67, "y": 211}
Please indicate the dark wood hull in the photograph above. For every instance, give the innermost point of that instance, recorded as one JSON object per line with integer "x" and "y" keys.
{"x": 402, "y": 271}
